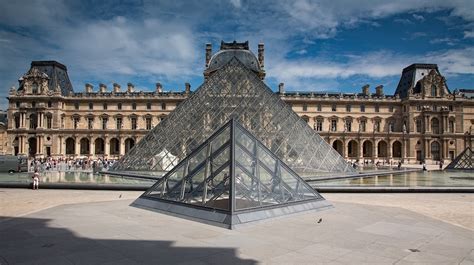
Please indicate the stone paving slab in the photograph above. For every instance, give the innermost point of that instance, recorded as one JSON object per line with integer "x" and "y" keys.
{"x": 112, "y": 232}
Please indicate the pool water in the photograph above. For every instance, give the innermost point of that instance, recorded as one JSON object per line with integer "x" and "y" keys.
{"x": 408, "y": 179}
{"x": 73, "y": 177}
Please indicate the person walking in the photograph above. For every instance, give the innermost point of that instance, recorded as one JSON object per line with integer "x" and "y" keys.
{"x": 35, "y": 180}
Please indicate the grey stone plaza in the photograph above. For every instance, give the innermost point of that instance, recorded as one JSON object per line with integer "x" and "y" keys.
{"x": 99, "y": 227}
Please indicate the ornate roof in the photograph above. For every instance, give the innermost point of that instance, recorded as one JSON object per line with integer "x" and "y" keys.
{"x": 55, "y": 72}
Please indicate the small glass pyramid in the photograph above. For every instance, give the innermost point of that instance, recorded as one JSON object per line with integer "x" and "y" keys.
{"x": 234, "y": 90}
{"x": 463, "y": 161}
{"x": 229, "y": 180}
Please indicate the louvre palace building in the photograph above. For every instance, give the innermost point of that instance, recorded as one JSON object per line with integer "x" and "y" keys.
{"x": 423, "y": 121}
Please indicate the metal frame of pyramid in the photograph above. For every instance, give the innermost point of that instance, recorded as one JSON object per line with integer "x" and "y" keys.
{"x": 233, "y": 90}
{"x": 463, "y": 161}
{"x": 230, "y": 180}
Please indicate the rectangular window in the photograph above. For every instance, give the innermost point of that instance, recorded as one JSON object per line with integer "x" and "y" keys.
{"x": 76, "y": 122}
{"x": 377, "y": 108}
{"x": 451, "y": 126}
{"x": 119, "y": 123}
{"x": 362, "y": 108}
{"x": 90, "y": 123}
{"x": 76, "y": 106}
{"x": 435, "y": 107}
{"x": 163, "y": 106}
{"x": 418, "y": 125}
{"x": 390, "y": 108}
{"x": 148, "y": 123}
{"x": 450, "y": 107}
{"x": 134, "y": 106}
{"x": 91, "y": 106}
{"x": 62, "y": 122}
{"x": 104, "y": 106}
{"x": 334, "y": 107}
{"x": 319, "y": 107}
{"x": 362, "y": 126}
{"x": 148, "y": 105}
{"x": 418, "y": 107}
{"x": 348, "y": 108}
{"x": 49, "y": 122}
{"x": 104, "y": 123}
{"x": 377, "y": 126}
{"x": 119, "y": 106}
{"x": 348, "y": 126}
{"x": 333, "y": 125}
{"x": 134, "y": 123}
{"x": 319, "y": 125}
{"x": 305, "y": 107}
{"x": 391, "y": 126}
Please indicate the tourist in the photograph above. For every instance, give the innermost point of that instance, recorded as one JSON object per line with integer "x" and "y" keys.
{"x": 441, "y": 165}
{"x": 35, "y": 180}
{"x": 424, "y": 166}
{"x": 399, "y": 165}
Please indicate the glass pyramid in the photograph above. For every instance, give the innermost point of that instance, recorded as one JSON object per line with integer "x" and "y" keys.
{"x": 229, "y": 180}
{"x": 463, "y": 161}
{"x": 233, "y": 91}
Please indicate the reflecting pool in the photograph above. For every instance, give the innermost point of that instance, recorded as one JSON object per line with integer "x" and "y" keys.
{"x": 408, "y": 179}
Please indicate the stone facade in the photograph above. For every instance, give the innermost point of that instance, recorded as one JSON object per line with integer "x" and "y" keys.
{"x": 429, "y": 122}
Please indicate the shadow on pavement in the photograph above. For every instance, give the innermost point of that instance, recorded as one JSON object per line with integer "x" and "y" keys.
{"x": 33, "y": 241}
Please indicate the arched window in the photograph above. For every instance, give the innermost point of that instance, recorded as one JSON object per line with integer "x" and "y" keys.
{"x": 434, "y": 91}
{"x": 34, "y": 88}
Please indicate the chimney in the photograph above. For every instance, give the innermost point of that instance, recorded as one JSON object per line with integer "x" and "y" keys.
{"x": 159, "y": 88}
{"x": 89, "y": 88}
{"x": 187, "y": 88}
{"x": 365, "y": 90}
{"x": 102, "y": 88}
{"x": 379, "y": 90}
{"x": 116, "y": 88}
{"x": 130, "y": 88}
{"x": 281, "y": 88}
{"x": 208, "y": 53}
{"x": 261, "y": 57}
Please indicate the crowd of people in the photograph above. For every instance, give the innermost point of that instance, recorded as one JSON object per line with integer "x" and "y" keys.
{"x": 69, "y": 164}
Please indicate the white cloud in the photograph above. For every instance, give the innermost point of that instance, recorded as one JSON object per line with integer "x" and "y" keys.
{"x": 372, "y": 65}
{"x": 469, "y": 34}
{"x": 419, "y": 17}
{"x": 236, "y": 3}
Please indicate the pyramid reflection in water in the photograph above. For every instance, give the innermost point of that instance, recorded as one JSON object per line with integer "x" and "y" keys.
{"x": 234, "y": 90}
{"x": 230, "y": 180}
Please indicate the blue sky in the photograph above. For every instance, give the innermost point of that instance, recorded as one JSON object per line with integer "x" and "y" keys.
{"x": 309, "y": 45}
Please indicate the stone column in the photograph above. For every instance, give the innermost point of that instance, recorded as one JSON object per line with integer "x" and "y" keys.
{"x": 39, "y": 148}
{"x": 106, "y": 146}
{"x": 390, "y": 149}
{"x": 60, "y": 146}
{"x": 404, "y": 150}
{"x": 361, "y": 151}
{"x": 375, "y": 150}
{"x": 122, "y": 146}
{"x": 345, "y": 149}
{"x": 91, "y": 146}
{"x": 77, "y": 151}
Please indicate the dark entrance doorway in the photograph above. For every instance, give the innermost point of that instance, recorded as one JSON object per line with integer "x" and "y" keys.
{"x": 32, "y": 146}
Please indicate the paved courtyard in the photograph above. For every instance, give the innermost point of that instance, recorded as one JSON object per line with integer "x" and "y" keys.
{"x": 94, "y": 227}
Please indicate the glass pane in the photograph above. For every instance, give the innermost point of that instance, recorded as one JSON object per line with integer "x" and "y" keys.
{"x": 266, "y": 158}
{"x": 244, "y": 159}
{"x": 220, "y": 159}
{"x": 246, "y": 190}
{"x": 217, "y": 195}
{"x": 197, "y": 159}
{"x": 221, "y": 139}
{"x": 244, "y": 140}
